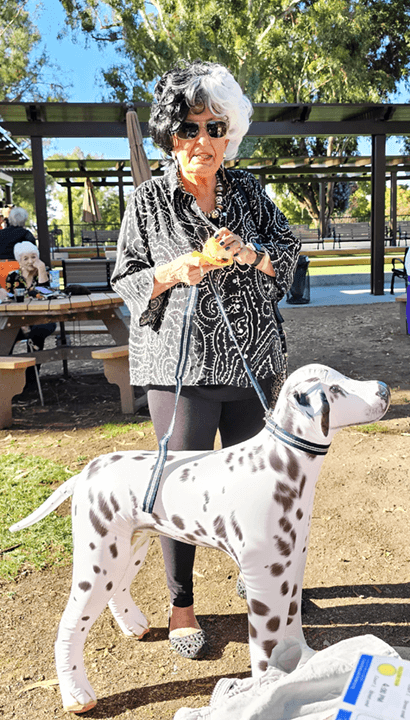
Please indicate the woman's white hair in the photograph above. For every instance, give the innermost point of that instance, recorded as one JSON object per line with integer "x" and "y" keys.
{"x": 226, "y": 100}
{"x": 25, "y": 247}
{"x": 195, "y": 86}
{"x": 18, "y": 216}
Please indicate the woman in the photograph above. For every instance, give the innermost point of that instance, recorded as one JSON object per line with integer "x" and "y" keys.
{"x": 199, "y": 116}
{"x": 31, "y": 274}
{"x": 14, "y": 233}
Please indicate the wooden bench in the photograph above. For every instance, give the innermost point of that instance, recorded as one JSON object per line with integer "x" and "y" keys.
{"x": 402, "y": 300}
{"x": 116, "y": 370}
{"x": 12, "y": 382}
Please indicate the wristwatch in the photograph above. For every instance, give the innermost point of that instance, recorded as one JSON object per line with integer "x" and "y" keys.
{"x": 259, "y": 254}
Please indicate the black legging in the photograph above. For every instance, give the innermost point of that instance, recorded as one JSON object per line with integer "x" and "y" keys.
{"x": 200, "y": 413}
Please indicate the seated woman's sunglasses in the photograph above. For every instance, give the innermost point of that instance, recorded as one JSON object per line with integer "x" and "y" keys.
{"x": 189, "y": 130}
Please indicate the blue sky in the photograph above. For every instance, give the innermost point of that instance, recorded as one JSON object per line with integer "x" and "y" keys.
{"x": 81, "y": 68}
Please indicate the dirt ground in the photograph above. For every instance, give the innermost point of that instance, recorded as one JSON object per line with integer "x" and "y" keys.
{"x": 357, "y": 579}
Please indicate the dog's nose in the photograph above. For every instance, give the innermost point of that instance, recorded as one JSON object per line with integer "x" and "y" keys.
{"x": 384, "y": 391}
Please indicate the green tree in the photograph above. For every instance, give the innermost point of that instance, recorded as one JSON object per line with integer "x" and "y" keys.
{"x": 285, "y": 51}
{"x": 24, "y": 67}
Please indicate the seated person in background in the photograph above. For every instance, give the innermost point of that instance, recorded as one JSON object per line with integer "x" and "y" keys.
{"x": 14, "y": 233}
{"x": 31, "y": 273}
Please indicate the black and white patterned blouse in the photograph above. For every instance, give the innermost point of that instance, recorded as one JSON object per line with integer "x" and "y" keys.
{"x": 159, "y": 225}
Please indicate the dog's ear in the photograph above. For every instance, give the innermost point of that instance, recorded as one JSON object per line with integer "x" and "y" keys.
{"x": 325, "y": 422}
{"x": 314, "y": 403}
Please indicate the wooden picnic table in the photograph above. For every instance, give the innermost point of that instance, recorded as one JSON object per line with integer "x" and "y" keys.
{"x": 96, "y": 306}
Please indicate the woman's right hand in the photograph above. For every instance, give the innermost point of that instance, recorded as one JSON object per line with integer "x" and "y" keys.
{"x": 186, "y": 269}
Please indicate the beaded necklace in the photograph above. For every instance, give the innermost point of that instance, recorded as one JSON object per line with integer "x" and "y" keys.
{"x": 219, "y": 196}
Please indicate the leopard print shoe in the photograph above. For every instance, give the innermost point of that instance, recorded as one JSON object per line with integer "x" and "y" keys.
{"x": 240, "y": 587}
{"x": 192, "y": 646}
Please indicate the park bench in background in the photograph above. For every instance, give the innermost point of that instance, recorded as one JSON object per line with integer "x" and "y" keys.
{"x": 404, "y": 232}
{"x": 307, "y": 235}
{"x": 350, "y": 232}
{"x": 398, "y": 272}
{"x": 94, "y": 236}
{"x": 12, "y": 382}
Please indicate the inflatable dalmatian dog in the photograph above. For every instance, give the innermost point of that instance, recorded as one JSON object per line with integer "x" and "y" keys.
{"x": 252, "y": 500}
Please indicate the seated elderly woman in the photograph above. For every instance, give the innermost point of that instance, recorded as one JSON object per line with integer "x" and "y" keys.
{"x": 14, "y": 233}
{"x": 31, "y": 274}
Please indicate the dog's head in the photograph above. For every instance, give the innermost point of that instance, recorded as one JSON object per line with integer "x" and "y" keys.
{"x": 317, "y": 401}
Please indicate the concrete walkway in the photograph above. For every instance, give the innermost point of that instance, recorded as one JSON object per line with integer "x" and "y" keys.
{"x": 346, "y": 290}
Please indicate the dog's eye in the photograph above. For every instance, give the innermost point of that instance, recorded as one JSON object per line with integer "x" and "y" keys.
{"x": 337, "y": 390}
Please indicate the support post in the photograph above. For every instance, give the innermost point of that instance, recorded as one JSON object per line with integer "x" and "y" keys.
{"x": 393, "y": 207}
{"x": 40, "y": 199}
{"x": 121, "y": 195}
{"x": 70, "y": 211}
{"x": 322, "y": 209}
{"x": 377, "y": 214}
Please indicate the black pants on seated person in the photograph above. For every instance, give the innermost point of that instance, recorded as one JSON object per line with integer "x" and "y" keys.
{"x": 38, "y": 335}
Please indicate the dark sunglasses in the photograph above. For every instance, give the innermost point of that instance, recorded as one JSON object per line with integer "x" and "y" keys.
{"x": 214, "y": 128}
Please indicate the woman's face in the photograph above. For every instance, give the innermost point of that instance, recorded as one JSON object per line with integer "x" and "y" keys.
{"x": 27, "y": 260}
{"x": 202, "y": 155}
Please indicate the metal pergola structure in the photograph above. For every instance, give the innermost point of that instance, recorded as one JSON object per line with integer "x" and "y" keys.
{"x": 40, "y": 120}
{"x": 10, "y": 154}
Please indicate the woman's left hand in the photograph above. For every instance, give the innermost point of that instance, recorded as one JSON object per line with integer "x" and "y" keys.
{"x": 241, "y": 253}
{"x": 235, "y": 246}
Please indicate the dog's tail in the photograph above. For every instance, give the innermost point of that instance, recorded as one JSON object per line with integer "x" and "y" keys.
{"x": 64, "y": 491}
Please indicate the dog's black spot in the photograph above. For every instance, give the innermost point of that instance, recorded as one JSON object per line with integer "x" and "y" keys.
{"x": 104, "y": 507}
{"x": 273, "y": 624}
{"x": 190, "y": 537}
{"x": 207, "y": 498}
{"x": 96, "y": 569}
{"x": 91, "y": 496}
{"x": 97, "y": 524}
{"x": 290, "y": 621}
{"x": 294, "y": 591}
{"x": 302, "y": 399}
{"x": 263, "y": 665}
{"x": 201, "y": 530}
{"x": 229, "y": 458}
{"x": 293, "y": 608}
{"x": 219, "y": 527}
{"x": 275, "y": 461}
{"x": 139, "y": 457}
{"x": 237, "y": 529}
{"x": 293, "y": 536}
{"x": 114, "y": 502}
{"x": 84, "y": 585}
{"x": 74, "y": 667}
{"x": 285, "y": 524}
{"x": 178, "y": 522}
{"x": 137, "y": 562}
{"x": 184, "y": 475}
{"x": 156, "y": 518}
{"x": 259, "y": 608}
{"x": 277, "y": 569}
{"x": 252, "y": 631}
{"x": 284, "y": 589}
{"x": 115, "y": 458}
{"x": 93, "y": 467}
{"x": 302, "y": 485}
{"x": 92, "y": 546}
{"x": 113, "y": 550}
{"x": 85, "y": 618}
{"x": 299, "y": 514}
{"x": 268, "y": 646}
{"x": 292, "y": 467}
{"x": 283, "y": 547}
